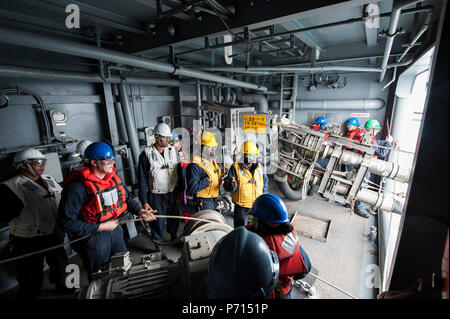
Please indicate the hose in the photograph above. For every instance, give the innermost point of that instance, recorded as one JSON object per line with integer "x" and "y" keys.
{"x": 288, "y": 191}
{"x": 40, "y": 101}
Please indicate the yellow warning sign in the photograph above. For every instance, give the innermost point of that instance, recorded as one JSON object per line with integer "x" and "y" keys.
{"x": 255, "y": 123}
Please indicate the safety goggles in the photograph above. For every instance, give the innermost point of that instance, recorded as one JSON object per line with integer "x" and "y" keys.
{"x": 209, "y": 150}
{"x": 251, "y": 158}
{"x": 108, "y": 160}
{"x": 163, "y": 138}
{"x": 37, "y": 162}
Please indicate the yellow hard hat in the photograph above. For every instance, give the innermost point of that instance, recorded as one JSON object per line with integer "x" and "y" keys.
{"x": 208, "y": 139}
{"x": 249, "y": 148}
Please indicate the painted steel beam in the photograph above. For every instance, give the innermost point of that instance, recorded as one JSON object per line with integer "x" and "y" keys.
{"x": 89, "y": 13}
{"x": 165, "y": 7}
{"x": 307, "y": 37}
{"x": 247, "y": 14}
{"x": 110, "y": 114}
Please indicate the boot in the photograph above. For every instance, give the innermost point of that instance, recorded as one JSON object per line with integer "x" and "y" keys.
{"x": 310, "y": 190}
{"x": 362, "y": 212}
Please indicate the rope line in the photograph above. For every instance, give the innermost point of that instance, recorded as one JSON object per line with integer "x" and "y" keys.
{"x": 330, "y": 284}
{"x": 140, "y": 219}
{"x": 86, "y": 236}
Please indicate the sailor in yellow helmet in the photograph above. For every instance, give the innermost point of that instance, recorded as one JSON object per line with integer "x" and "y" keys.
{"x": 246, "y": 181}
{"x": 204, "y": 175}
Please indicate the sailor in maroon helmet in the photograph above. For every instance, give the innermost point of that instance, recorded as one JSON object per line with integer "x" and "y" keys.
{"x": 272, "y": 224}
{"x": 93, "y": 199}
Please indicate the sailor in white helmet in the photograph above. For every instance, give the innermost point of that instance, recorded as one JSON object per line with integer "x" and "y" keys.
{"x": 79, "y": 153}
{"x": 31, "y": 200}
{"x": 158, "y": 182}
{"x": 81, "y": 147}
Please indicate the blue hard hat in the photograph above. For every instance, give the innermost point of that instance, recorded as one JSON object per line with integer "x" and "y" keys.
{"x": 353, "y": 121}
{"x": 174, "y": 134}
{"x": 99, "y": 150}
{"x": 320, "y": 120}
{"x": 270, "y": 208}
{"x": 241, "y": 266}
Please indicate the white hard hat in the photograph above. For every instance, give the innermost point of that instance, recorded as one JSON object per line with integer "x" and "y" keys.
{"x": 81, "y": 146}
{"x": 27, "y": 154}
{"x": 163, "y": 129}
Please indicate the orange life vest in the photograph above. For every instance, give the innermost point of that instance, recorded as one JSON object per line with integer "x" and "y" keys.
{"x": 183, "y": 156}
{"x": 291, "y": 260}
{"x": 107, "y": 196}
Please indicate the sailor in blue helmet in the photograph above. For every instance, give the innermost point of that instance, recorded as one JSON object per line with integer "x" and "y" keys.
{"x": 323, "y": 126}
{"x": 241, "y": 266}
{"x": 93, "y": 200}
{"x": 272, "y": 224}
{"x": 319, "y": 121}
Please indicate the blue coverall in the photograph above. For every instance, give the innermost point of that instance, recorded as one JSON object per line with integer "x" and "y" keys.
{"x": 197, "y": 179}
{"x": 30, "y": 270}
{"x": 165, "y": 204}
{"x": 96, "y": 250}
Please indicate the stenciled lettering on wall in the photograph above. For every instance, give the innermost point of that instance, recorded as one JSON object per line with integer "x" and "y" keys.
{"x": 73, "y": 19}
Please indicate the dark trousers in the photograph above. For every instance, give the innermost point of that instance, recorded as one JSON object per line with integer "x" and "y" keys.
{"x": 306, "y": 260}
{"x": 30, "y": 270}
{"x": 165, "y": 204}
{"x": 96, "y": 251}
{"x": 240, "y": 216}
{"x": 205, "y": 203}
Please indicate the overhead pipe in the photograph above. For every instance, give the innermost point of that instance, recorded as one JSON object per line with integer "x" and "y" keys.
{"x": 266, "y": 70}
{"x": 399, "y": 64}
{"x": 362, "y": 104}
{"x": 394, "y": 75}
{"x": 290, "y": 32}
{"x": 259, "y": 99}
{"x": 46, "y": 130}
{"x": 392, "y": 32}
{"x": 123, "y": 135}
{"x": 129, "y": 123}
{"x": 199, "y": 99}
{"x": 227, "y": 97}
{"x": 43, "y": 42}
{"x": 233, "y": 97}
{"x": 419, "y": 34}
{"x": 57, "y": 75}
